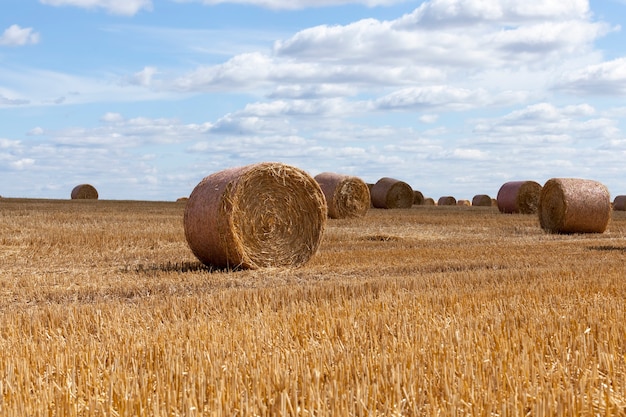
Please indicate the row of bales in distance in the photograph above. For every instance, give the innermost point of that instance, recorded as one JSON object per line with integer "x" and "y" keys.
{"x": 270, "y": 214}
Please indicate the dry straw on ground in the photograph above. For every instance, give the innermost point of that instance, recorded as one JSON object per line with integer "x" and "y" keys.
{"x": 446, "y": 201}
{"x": 619, "y": 203}
{"x": 418, "y": 198}
{"x": 482, "y": 200}
{"x": 261, "y": 215}
{"x": 573, "y": 205}
{"x": 84, "y": 192}
{"x": 390, "y": 193}
{"x": 519, "y": 197}
{"x": 346, "y": 196}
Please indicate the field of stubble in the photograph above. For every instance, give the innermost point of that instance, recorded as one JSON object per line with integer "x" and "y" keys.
{"x": 104, "y": 311}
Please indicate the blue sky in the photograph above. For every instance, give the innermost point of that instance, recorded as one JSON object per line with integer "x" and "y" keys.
{"x": 144, "y": 98}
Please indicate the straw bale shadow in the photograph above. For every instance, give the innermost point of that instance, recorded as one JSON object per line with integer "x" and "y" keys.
{"x": 608, "y": 248}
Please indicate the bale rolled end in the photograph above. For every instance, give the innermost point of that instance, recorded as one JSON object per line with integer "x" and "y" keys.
{"x": 256, "y": 216}
{"x": 390, "y": 193}
{"x": 519, "y": 197}
{"x": 346, "y": 196}
{"x": 573, "y": 205}
{"x": 84, "y": 192}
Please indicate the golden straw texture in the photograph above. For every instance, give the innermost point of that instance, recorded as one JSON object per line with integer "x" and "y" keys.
{"x": 519, "y": 197}
{"x": 261, "y": 215}
{"x": 482, "y": 200}
{"x": 346, "y": 196}
{"x": 619, "y": 203}
{"x": 84, "y": 192}
{"x": 390, "y": 193}
{"x": 573, "y": 205}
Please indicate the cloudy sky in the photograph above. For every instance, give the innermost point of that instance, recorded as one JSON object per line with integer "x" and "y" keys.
{"x": 144, "y": 98}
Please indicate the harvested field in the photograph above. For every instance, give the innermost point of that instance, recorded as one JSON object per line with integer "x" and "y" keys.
{"x": 105, "y": 311}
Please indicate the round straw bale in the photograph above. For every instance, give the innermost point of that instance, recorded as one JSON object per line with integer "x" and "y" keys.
{"x": 346, "y": 196}
{"x": 84, "y": 192}
{"x": 446, "y": 201}
{"x": 182, "y": 199}
{"x": 481, "y": 200}
{"x": 519, "y": 197}
{"x": 429, "y": 201}
{"x": 261, "y": 215}
{"x": 619, "y": 203}
{"x": 390, "y": 193}
{"x": 573, "y": 205}
{"x": 463, "y": 203}
{"x": 418, "y": 198}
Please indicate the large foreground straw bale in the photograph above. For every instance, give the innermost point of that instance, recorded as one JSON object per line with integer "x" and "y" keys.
{"x": 447, "y": 200}
{"x": 482, "y": 200}
{"x": 573, "y": 205}
{"x": 519, "y": 197}
{"x": 346, "y": 196}
{"x": 261, "y": 215}
{"x": 619, "y": 203}
{"x": 84, "y": 192}
{"x": 390, "y": 193}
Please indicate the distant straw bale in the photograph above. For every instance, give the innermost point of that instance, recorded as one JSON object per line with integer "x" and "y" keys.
{"x": 463, "y": 203}
{"x": 182, "y": 199}
{"x": 573, "y": 205}
{"x": 84, "y": 192}
{"x": 418, "y": 198}
{"x": 519, "y": 197}
{"x": 482, "y": 200}
{"x": 446, "y": 201}
{"x": 619, "y": 203}
{"x": 429, "y": 201}
{"x": 346, "y": 196}
{"x": 261, "y": 215}
{"x": 390, "y": 193}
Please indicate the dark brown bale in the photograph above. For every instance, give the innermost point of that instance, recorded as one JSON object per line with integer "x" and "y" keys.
{"x": 519, "y": 197}
{"x": 446, "y": 201}
{"x": 260, "y": 215}
{"x": 84, "y": 192}
{"x": 390, "y": 193}
{"x": 573, "y": 205}
{"x": 418, "y": 198}
{"x": 346, "y": 196}
{"x": 619, "y": 203}
{"x": 482, "y": 200}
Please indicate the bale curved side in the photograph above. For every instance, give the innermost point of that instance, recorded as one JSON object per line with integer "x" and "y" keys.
{"x": 429, "y": 201}
{"x": 346, "y": 196}
{"x": 573, "y": 205}
{"x": 446, "y": 201}
{"x": 418, "y": 198}
{"x": 84, "y": 192}
{"x": 260, "y": 215}
{"x": 519, "y": 197}
{"x": 390, "y": 193}
{"x": 482, "y": 200}
{"x": 619, "y": 203}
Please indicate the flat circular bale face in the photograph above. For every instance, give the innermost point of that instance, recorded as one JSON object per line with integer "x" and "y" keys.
{"x": 278, "y": 217}
{"x": 552, "y": 208}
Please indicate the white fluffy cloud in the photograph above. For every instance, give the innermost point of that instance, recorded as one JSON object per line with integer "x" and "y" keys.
{"x": 15, "y": 35}
{"x": 119, "y": 7}
{"x": 606, "y": 78}
{"x": 298, "y": 4}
